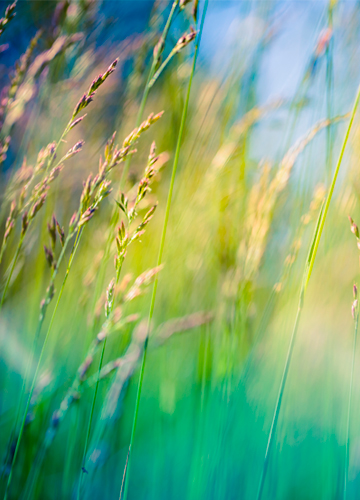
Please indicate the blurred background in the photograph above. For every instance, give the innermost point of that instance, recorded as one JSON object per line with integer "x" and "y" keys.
{"x": 256, "y": 160}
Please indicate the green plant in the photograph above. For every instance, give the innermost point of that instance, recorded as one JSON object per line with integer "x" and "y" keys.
{"x": 314, "y": 245}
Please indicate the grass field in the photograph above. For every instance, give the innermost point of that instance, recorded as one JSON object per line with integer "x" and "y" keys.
{"x": 178, "y": 300}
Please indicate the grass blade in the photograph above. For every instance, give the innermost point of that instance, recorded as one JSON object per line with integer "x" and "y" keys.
{"x": 125, "y": 483}
{"x": 306, "y": 277}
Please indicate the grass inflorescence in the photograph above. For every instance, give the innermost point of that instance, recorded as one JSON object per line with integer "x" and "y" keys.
{"x": 174, "y": 296}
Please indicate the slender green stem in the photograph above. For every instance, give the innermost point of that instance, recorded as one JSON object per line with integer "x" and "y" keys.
{"x": 346, "y": 471}
{"x": 11, "y": 270}
{"x": 115, "y": 215}
{"x": 72, "y": 255}
{"x": 19, "y": 247}
{"x": 125, "y": 485}
{"x": 306, "y": 277}
{"x": 332, "y": 186}
{"x": 38, "y": 330}
{"x": 40, "y": 323}
{"x": 137, "y": 124}
{"x": 148, "y": 86}
{"x": 161, "y": 69}
{"x": 87, "y": 439}
{"x": 2, "y": 250}
{"x": 204, "y": 368}
{"x": 278, "y": 405}
{"x": 71, "y": 259}
{"x": 328, "y": 172}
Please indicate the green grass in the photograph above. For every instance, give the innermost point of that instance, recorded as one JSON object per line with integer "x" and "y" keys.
{"x": 177, "y": 387}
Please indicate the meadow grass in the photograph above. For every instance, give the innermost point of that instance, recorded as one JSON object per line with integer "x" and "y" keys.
{"x": 161, "y": 248}
{"x": 118, "y": 378}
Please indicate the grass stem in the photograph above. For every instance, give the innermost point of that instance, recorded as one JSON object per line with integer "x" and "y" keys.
{"x": 125, "y": 484}
{"x": 314, "y": 245}
{"x": 38, "y": 330}
{"x": 115, "y": 215}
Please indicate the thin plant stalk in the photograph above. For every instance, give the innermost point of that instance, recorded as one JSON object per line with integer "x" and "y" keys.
{"x": 82, "y": 104}
{"x": 121, "y": 240}
{"x": 85, "y": 100}
{"x": 50, "y": 292}
{"x": 126, "y": 475}
{"x": 347, "y": 445}
{"x": 22, "y": 237}
{"x": 72, "y": 255}
{"x": 114, "y": 217}
{"x": 147, "y": 87}
{"x": 87, "y": 439}
{"x": 37, "y": 333}
{"x": 88, "y": 432}
{"x": 306, "y": 277}
{"x": 42, "y": 317}
{"x": 11, "y": 270}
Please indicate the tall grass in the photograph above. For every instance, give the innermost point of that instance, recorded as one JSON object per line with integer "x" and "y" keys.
{"x": 103, "y": 394}
{"x": 160, "y": 256}
{"x": 314, "y": 245}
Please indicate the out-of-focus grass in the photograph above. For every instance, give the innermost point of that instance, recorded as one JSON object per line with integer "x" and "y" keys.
{"x": 209, "y": 393}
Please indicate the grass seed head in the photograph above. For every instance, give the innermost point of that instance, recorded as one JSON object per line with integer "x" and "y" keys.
{"x": 24, "y": 222}
{"x": 109, "y": 298}
{"x": 37, "y": 206}
{"x": 8, "y": 228}
{"x": 74, "y": 150}
{"x": 101, "y": 78}
{"x": 73, "y": 222}
{"x": 123, "y": 204}
{"x": 8, "y": 16}
{"x": 87, "y": 215}
{"x": 185, "y": 40}
{"x": 51, "y": 226}
{"x": 353, "y": 227}
{"x": 44, "y": 156}
{"x": 82, "y": 104}
{"x": 76, "y": 122}
{"x": 88, "y": 97}
{"x": 85, "y": 195}
{"x": 61, "y": 233}
{"x": 49, "y": 256}
{"x": 84, "y": 367}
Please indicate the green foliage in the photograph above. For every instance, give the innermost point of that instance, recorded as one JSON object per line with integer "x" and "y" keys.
{"x": 140, "y": 297}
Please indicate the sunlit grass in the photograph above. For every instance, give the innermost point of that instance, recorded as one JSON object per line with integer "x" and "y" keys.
{"x": 239, "y": 186}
